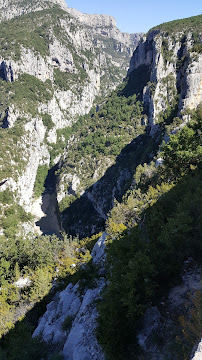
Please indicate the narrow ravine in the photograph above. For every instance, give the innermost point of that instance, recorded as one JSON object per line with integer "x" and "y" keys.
{"x": 49, "y": 224}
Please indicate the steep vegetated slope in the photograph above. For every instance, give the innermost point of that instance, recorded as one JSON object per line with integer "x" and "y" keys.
{"x": 163, "y": 85}
{"x": 147, "y": 259}
{"x": 54, "y": 63}
{"x": 115, "y": 173}
{"x": 99, "y": 161}
{"x": 161, "y": 217}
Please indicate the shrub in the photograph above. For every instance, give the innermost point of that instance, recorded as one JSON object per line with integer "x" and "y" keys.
{"x": 47, "y": 121}
{"x": 41, "y": 175}
{"x": 6, "y": 197}
{"x": 66, "y": 325}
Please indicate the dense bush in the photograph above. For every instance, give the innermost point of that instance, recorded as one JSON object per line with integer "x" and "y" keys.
{"x": 41, "y": 175}
{"x": 147, "y": 258}
{"x": 29, "y": 91}
{"x": 183, "y": 25}
{"x": 47, "y": 121}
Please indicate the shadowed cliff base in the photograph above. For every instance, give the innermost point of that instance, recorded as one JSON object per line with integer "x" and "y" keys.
{"x": 87, "y": 214}
{"x": 136, "y": 81}
{"x": 49, "y": 224}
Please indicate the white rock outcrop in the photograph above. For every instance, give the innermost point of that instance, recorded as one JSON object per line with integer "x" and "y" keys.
{"x": 70, "y": 319}
{"x": 22, "y": 282}
{"x": 198, "y": 353}
{"x": 167, "y": 78}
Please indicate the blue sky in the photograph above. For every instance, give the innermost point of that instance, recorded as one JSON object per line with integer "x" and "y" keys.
{"x": 139, "y": 15}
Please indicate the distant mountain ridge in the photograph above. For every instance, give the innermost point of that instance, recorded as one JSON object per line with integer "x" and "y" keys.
{"x": 12, "y": 8}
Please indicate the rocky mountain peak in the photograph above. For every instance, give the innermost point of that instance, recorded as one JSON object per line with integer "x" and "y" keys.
{"x": 96, "y": 20}
{"x": 12, "y": 8}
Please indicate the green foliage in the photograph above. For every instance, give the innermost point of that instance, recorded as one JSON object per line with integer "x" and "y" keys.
{"x": 145, "y": 259}
{"x": 106, "y": 132}
{"x": 183, "y": 25}
{"x": 163, "y": 219}
{"x": 12, "y": 217}
{"x": 62, "y": 137}
{"x": 6, "y": 197}
{"x": 65, "y": 202}
{"x": 167, "y": 54}
{"x": 47, "y": 121}
{"x": 63, "y": 80}
{"x": 89, "y": 242}
{"x": 20, "y": 345}
{"x": 16, "y": 272}
{"x": 41, "y": 259}
{"x": 152, "y": 87}
{"x": 184, "y": 150}
{"x": 32, "y": 31}
{"x": 19, "y": 252}
{"x": 13, "y": 157}
{"x": 36, "y": 258}
{"x": 66, "y": 80}
{"x": 28, "y": 91}
{"x": 99, "y": 138}
{"x": 41, "y": 284}
{"x": 197, "y": 48}
{"x": 66, "y": 325}
{"x": 41, "y": 175}
{"x": 165, "y": 117}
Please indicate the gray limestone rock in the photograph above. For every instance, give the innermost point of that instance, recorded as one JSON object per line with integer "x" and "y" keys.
{"x": 65, "y": 105}
{"x": 166, "y": 78}
{"x": 78, "y": 340}
{"x": 198, "y": 353}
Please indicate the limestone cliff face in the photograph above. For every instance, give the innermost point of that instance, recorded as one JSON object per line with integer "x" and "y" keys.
{"x": 12, "y": 8}
{"x": 78, "y": 341}
{"x": 76, "y": 56}
{"x": 105, "y": 25}
{"x": 33, "y": 152}
{"x": 166, "y": 71}
{"x": 94, "y": 20}
{"x": 174, "y": 72}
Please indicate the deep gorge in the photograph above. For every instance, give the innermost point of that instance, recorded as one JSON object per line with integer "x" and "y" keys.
{"x": 100, "y": 186}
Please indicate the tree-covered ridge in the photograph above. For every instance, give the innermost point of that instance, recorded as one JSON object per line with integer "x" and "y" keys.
{"x": 161, "y": 218}
{"x": 193, "y": 24}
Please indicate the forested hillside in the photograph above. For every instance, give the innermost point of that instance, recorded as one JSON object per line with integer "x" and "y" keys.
{"x": 161, "y": 216}
{"x": 88, "y": 153}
